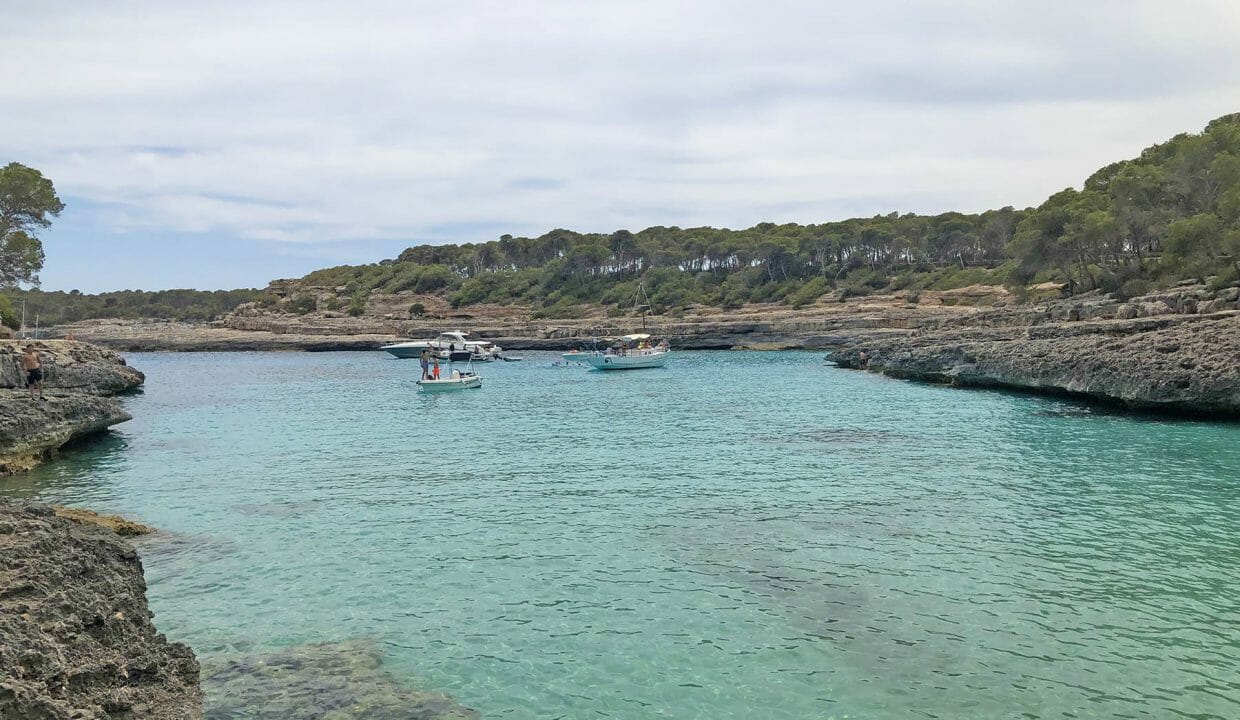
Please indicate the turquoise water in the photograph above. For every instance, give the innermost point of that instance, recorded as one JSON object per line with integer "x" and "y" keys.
{"x": 738, "y": 535}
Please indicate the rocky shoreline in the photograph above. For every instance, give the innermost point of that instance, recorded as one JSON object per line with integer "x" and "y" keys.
{"x": 1172, "y": 351}
{"x": 76, "y": 638}
{"x": 1183, "y": 366}
{"x": 79, "y": 382}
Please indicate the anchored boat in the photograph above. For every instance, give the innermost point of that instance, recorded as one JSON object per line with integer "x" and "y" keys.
{"x": 448, "y": 346}
{"x": 456, "y": 380}
{"x": 631, "y": 352}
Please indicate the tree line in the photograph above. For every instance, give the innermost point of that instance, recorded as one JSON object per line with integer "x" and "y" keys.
{"x": 1168, "y": 215}
{"x": 1171, "y": 214}
{"x": 58, "y": 307}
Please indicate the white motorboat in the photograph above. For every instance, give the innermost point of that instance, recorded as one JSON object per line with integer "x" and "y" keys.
{"x": 457, "y": 380}
{"x": 447, "y": 346}
{"x": 413, "y": 349}
{"x": 631, "y": 352}
{"x": 476, "y": 351}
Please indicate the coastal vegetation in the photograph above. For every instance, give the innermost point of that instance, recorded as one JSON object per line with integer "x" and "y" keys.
{"x": 1171, "y": 214}
{"x": 28, "y": 202}
{"x": 54, "y": 308}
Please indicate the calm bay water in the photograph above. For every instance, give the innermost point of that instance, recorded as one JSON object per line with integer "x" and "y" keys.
{"x": 738, "y": 535}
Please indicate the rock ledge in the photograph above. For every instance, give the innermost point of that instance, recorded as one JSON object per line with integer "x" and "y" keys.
{"x": 76, "y": 639}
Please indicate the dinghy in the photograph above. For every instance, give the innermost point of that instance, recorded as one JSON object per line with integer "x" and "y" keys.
{"x": 457, "y": 380}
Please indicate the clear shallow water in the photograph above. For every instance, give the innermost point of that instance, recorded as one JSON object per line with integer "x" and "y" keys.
{"x": 738, "y": 535}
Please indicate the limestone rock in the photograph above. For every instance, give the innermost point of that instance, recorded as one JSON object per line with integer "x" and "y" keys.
{"x": 77, "y": 378}
{"x": 69, "y": 365}
{"x": 1182, "y": 364}
{"x": 31, "y": 429}
{"x": 76, "y": 638}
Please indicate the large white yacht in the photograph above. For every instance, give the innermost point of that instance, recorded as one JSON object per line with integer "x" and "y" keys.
{"x": 447, "y": 346}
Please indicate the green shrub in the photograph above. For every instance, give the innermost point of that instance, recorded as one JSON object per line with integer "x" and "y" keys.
{"x": 302, "y": 303}
{"x": 808, "y": 292}
{"x": 1132, "y": 288}
{"x": 1228, "y": 277}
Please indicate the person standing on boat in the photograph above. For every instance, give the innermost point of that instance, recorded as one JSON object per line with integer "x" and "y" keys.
{"x": 426, "y": 363}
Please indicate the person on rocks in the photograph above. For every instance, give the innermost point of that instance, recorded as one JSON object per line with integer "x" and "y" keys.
{"x": 34, "y": 372}
{"x": 426, "y": 364}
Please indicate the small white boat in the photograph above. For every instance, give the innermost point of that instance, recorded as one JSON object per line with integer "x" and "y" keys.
{"x": 457, "y": 380}
{"x": 631, "y": 352}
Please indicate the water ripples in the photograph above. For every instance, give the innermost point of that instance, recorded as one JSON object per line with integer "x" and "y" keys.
{"x": 739, "y": 535}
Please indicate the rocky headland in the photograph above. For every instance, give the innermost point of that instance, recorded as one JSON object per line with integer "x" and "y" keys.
{"x": 1175, "y": 353}
{"x": 79, "y": 382}
{"x": 76, "y": 638}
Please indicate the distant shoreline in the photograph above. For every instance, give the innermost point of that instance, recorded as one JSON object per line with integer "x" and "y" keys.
{"x": 1171, "y": 352}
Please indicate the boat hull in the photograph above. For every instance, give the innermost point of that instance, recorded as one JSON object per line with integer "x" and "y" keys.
{"x": 450, "y": 384}
{"x": 627, "y": 362}
{"x": 404, "y": 353}
{"x": 407, "y": 351}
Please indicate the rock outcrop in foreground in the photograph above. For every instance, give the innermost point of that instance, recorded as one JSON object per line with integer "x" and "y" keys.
{"x": 79, "y": 380}
{"x": 1182, "y": 364}
{"x": 76, "y": 639}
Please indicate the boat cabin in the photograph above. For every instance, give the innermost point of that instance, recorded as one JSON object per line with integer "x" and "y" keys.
{"x": 637, "y": 343}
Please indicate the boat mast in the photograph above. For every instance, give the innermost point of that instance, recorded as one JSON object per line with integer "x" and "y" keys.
{"x": 643, "y": 308}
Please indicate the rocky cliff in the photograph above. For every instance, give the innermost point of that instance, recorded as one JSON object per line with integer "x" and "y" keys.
{"x": 1171, "y": 363}
{"x": 79, "y": 380}
{"x": 76, "y": 638}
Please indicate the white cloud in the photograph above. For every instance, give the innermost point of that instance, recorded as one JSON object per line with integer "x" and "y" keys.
{"x": 328, "y": 121}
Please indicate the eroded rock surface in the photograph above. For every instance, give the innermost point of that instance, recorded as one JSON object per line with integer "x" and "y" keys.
{"x": 78, "y": 380}
{"x": 1186, "y": 364}
{"x": 76, "y": 638}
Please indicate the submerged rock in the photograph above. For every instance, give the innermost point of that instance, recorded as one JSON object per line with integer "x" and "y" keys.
{"x": 76, "y": 639}
{"x": 329, "y": 681}
{"x": 115, "y": 523}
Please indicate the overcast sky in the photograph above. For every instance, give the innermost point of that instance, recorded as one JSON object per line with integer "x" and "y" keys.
{"x": 225, "y": 144}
